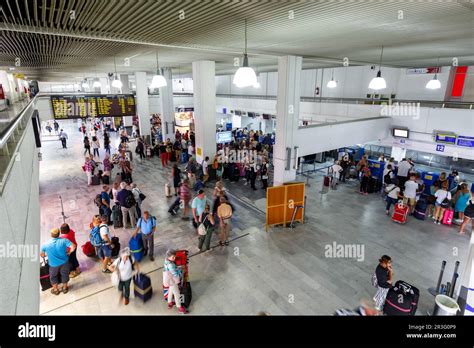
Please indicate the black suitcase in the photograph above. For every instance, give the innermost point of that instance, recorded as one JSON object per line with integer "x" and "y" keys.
{"x": 142, "y": 287}
{"x": 105, "y": 179}
{"x": 402, "y": 299}
{"x": 116, "y": 248}
{"x": 44, "y": 276}
{"x": 174, "y": 208}
{"x": 373, "y": 185}
{"x": 117, "y": 216}
{"x": 95, "y": 180}
{"x": 420, "y": 210}
{"x": 187, "y": 294}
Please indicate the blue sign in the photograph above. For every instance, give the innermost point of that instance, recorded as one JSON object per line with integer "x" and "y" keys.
{"x": 465, "y": 141}
{"x": 228, "y": 126}
{"x": 440, "y": 148}
{"x": 223, "y": 137}
{"x": 445, "y": 138}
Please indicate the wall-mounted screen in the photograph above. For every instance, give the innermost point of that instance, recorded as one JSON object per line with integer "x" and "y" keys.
{"x": 400, "y": 132}
{"x": 447, "y": 138}
{"x": 83, "y": 106}
{"x": 223, "y": 137}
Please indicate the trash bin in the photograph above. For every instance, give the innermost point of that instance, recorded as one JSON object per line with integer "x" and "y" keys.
{"x": 445, "y": 305}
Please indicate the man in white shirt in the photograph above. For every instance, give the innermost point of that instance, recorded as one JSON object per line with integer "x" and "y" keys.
{"x": 404, "y": 168}
{"x": 336, "y": 170}
{"x": 409, "y": 194}
{"x": 105, "y": 251}
{"x": 392, "y": 192}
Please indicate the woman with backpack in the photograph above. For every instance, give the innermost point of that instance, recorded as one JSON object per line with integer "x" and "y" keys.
{"x": 123, "y": 269}
{"x": 176, "y": 177}
{"x": 443, "y": 201}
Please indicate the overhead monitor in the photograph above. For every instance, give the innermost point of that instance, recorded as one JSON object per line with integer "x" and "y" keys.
{"x": 444, "y": 137}
{"x": 223, "y": 137}
{"x": 400, "y": 132}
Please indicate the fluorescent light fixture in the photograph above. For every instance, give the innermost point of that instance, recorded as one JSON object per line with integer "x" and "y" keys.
{"x": 97, "y": 84}
{"x": 434, "y": 83}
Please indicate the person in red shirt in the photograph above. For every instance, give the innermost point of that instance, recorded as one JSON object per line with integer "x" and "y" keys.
{"x": 69, "y": 234}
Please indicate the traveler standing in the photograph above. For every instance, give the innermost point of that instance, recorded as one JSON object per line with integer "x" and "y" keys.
{"x": 124, "y": 266}
{"x": 63, "y": 138}
{"x": 198, "y": 205}
{"x": 336, "y": 171}
{"x": 207, "y": 220}
{"x": 253, "y": 175}
{"x": 95, "y": 146}
{"x": 176, "y": 176}
{"x": 468, "y": 216}
{"x": 345, "y": 163}
{"x": 127, "y": 205}
{"x": 185, "y": 196}
{"x": 205, "y": 169}
{"x": 88, "y": 168}
{"x": 126, "y": 171}
{"x": 461, "y": 200}
{"x": 409, "y": 194}
{"x": 172, "y": 277}
{"x": 57, "y": 250}
{"x": 392, "y": 191}
{"x": 383, "y": 281}
{"x": 104, "y": 204}
{"x": 87, "y": 145}
{"x": 136, "y": 194}
{"x": 224, "y": 213}
{"x": 68, "y": 233}
{"x": 264, "y": 174}
{"x": 163, "y": 154}
{"x": 140, "y": 148}
{"x": 443, "y": 200}
{"x": 105, "y": 250}
{"x": 403, "y": 170}
{"x": 364, "y": 182}
{"x": 56, "y": 127}
{"x": 146, "y": 225}
{"x": 106, "y": 143}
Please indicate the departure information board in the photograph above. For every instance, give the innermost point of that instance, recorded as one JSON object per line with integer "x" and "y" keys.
{"x": 83, "y": 106}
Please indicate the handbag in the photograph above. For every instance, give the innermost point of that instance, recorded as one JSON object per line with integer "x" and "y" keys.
{"x": 115, "y": 278}
{"x": 375, "y": 282}
{"x": 202, "y": 230}
{"x": 445, "y": 203}
{"x": 141, "y": 196}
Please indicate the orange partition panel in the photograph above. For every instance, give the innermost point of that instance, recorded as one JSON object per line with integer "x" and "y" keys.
{"x": 282, "y": 202}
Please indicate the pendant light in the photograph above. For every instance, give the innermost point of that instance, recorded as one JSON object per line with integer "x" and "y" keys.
{"x": 332, "y": 83}
{"x": 434, "y": 83}
{"x": 96, "y": 83}
{"x": 245, "y": 76}
{"x": 378, "y": 82}
{"x": 85, "y": 84}
{"x": 158, "y": 80}
{"x": 116, "y": 83}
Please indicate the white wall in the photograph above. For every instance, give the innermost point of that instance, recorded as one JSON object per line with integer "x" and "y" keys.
{"x": 20, "y": 218}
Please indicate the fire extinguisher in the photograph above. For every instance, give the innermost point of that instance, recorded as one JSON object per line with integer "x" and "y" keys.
{"x": 316, "y": 91}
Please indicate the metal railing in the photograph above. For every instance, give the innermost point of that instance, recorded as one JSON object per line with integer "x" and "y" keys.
{"x": 15, "y": 125}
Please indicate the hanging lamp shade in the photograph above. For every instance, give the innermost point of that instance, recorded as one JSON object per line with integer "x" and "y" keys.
{"x": 158, "y": 80}
{"x": 245, "y": 76}
{"x": 116, "y": 83}
{"x": 97, "y": 84}
{"x": 434, "y": 83}
{"x": 378, "y": 82}
{"x": 332, "y": 84}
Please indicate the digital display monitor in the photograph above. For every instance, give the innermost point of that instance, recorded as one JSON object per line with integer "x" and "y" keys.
{"x": 77, "y": 106}
{"x": 400, "y": 132}
{"x": 223, "y": 137}
{"x": 448, "y": 138}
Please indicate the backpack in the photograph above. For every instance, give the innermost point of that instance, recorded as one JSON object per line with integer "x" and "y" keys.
{"x": 130, "y": 201}
{"x": 98, "y": 200}
{"x": 95, "y": 238}
{"x": 387, "y": 179}
{"x": 153, "y": 220}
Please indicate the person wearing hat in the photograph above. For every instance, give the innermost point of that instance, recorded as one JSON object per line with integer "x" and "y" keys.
{"x": 172, "y": 276}
{"x": 224, "y": 213}
{"x": 57, "y": 250}
{"x": 125, "y": 265}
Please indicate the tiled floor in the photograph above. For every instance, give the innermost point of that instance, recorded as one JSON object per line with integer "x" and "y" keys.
{"x": 283, "y": 271}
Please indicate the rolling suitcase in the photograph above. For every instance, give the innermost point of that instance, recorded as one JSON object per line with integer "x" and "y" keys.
{"x": 136, "y": 247}
{"x": 142, "y": 287}
{"x": 327, "y": 181}
{"x": 373, "y": 185}
{"x": 117, "y": 216}
{"x": 116, "y": 248}
{"x": 400, "y": 213}
{"x": 167, "y": 190}
{"x": 173, "y": 210}
{"x": 420, "y": 210}
{"x": 88, "y": 249}
{"x": 448, "y": 217}
{"x": 105, "y": 179}
{"x": 95, "y": 180}
{"x": 44, "y": 276}
{"x": 402, "y": 299}
{"x": 186, "y": 293}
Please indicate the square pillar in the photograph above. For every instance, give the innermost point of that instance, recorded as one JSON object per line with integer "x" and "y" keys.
{"x": 285, "y": 158}
{"x": 142, "y": 106}
{"x": 205, "y": 108}
{"x": 167, "y": 106}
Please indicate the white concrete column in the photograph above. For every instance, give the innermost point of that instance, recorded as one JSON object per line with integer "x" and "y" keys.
{"x": 104, "y": 85}
{"x": 467, "y": 279}
{"x": 125, "y": 85}
{"x": 141, "y": 100}
{"x": 288, "y": 106}
{"x": 167, "y": 106}
{"x": 204, "y": 85}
